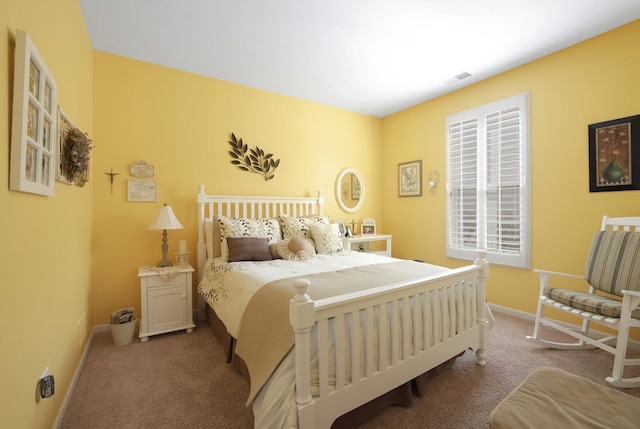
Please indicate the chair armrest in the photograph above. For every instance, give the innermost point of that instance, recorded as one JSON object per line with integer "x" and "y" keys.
{"x": 631, "y": 293}
{"x": 544, "y": 278}
{"x": 555, "y": 273}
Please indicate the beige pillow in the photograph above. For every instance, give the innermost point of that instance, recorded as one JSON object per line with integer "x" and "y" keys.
{"x": 296, "y": 249}
{"x": 212, "y": 237}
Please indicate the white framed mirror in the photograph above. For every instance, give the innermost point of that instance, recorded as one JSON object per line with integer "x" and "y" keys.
{"x": 350, "y": 190}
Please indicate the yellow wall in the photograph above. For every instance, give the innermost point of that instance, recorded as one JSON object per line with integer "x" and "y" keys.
{"x": 180, "y": 123}
{"x": 78, "y": 252}
{"x": 45, "y": 261}
{"x": 591, "y": 82}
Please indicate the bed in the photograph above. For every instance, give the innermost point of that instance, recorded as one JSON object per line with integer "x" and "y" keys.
{"x": 326, "y": 336}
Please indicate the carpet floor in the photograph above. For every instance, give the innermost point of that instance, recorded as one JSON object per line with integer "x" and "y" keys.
{"x": 179, "y": 380}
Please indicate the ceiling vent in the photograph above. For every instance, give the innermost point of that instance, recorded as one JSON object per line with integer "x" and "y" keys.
{"x": 457, "y": 78}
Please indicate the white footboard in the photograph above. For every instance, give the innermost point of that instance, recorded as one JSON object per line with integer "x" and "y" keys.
{"x": 405, "y": 330}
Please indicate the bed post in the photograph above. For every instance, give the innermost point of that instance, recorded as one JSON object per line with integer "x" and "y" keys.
{"x": 483, "y": 264}
{"x": 302, "y": 318}
{"x": 320, "y": 203}
{"x": 201, "y": 247}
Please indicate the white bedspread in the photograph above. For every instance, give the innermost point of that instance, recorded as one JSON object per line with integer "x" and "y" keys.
{"x": 228, "y": 287}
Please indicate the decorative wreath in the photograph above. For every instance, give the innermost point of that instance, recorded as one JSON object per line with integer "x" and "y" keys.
{"x": 76, "y": 154}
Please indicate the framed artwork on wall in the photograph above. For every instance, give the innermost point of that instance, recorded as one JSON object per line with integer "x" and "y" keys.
{"x": 614, "y": 159}
{"x": 142, "y": 190}
{"x": 410, "y": 179}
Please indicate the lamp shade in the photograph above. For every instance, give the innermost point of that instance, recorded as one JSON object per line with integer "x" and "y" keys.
{"x": 166, "y": 219}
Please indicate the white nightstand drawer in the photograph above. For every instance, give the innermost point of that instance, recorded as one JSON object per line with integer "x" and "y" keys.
{"x": 178, "y": 279}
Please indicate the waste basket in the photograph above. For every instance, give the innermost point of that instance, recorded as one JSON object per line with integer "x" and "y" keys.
{"x": 123, "y": 333}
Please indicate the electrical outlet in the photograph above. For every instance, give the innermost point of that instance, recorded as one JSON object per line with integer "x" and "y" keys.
{"x": 47, "y": 386}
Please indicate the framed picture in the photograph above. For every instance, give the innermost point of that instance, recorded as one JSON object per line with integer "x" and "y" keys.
{"x": 341, "y": 227}
{"x": 142, "y": 190}
{"x": 614, "y": 161}
{"x": 410, "y": 179}
{"x": 367, "y": 229}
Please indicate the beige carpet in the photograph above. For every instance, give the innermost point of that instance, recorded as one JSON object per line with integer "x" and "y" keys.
{"x": 179, "y": 380}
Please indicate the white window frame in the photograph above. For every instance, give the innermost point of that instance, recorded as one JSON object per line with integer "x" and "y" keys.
{"x": 476, "y": 170}
{"x": 34, "y": 124}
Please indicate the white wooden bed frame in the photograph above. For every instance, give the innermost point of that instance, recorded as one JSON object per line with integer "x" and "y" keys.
{"x": 453, "y": 319}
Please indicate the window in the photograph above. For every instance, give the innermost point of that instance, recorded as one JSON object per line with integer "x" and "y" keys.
{"x": 33, "y": 132}
{"x": 488, "y": 182}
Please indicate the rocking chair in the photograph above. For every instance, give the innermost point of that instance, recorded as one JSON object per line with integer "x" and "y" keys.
{"x": 613, "y": 267}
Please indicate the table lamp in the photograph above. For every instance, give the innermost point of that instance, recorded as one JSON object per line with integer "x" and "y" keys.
{"x": 165, "y": 220}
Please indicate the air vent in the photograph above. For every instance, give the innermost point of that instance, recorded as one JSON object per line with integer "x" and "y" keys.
{"x": 457, "y": 78}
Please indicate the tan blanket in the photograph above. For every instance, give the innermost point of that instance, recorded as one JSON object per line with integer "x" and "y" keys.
{"x": 266, "y": 335}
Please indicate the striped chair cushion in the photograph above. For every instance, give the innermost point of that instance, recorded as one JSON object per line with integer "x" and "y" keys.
{"x": 613, "y": 264}
{"x": 589, "y": 302}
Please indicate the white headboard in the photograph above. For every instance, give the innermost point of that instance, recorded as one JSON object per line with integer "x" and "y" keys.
{"x": 249, "y": 208}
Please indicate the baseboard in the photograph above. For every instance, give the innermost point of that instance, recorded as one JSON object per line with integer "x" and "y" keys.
{"x": 632, "y": 344}
{"x": 512, "y": 312}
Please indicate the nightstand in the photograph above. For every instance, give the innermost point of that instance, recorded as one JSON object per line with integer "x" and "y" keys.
{"x": 363, "y": 242}
{"x": 165, "y": 297}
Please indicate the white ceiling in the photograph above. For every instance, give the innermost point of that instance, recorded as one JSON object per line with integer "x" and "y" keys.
{"x": 375, "y": 57}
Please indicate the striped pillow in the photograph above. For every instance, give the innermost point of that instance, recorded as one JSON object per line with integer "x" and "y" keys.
{"x": 613, "y": 264}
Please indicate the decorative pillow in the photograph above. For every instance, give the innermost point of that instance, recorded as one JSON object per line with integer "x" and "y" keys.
{"x": 212, "y": 237}
{"x": 235, "y": 227}
{"x": 292, "y": 226}
{"x": 327, "y": 238}
{"x": 274, "y": 250}
{"x": 248, "y": 249}
{"x": 297, "y": 248}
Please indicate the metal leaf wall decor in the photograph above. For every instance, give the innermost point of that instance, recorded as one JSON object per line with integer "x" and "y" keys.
{"x": 252, "y": 160}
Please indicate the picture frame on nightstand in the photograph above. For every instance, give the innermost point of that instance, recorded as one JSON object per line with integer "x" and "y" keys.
{"x": 368, "y": 229}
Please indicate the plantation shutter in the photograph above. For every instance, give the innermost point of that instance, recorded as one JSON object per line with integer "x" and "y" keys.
{"x": 487, "y": 182}
{"x": 463, "y": 167}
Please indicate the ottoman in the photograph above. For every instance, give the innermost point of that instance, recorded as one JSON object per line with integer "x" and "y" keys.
{"x": 552, "y": 398}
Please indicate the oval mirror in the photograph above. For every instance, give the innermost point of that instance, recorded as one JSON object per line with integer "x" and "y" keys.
{"x": 350, "y": 190}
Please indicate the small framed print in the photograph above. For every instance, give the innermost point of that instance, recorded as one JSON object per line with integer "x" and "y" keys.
{"x": 410, "y": 179}
{"x": 142, "y": 190}
{"x": 368, "y": 229}
{"x": 341, "y": 228}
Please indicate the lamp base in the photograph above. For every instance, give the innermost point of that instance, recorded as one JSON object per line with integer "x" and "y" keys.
{"x": 164, "y": 263}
